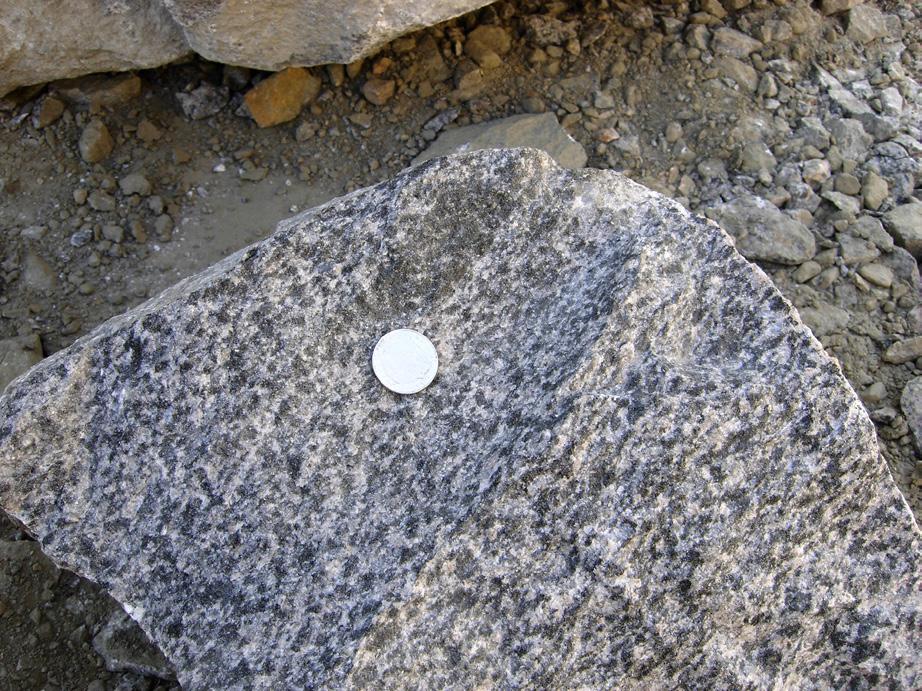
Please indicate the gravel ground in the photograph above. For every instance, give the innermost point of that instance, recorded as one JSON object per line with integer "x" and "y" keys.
{"x": 798, "y": 130}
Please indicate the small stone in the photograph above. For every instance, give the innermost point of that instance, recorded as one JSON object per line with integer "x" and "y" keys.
{"x": 155, "y": 204}
{"x": 336, "y": 74}
{"x": 843, "y": 202}
{"x": 379, "y": 91}
{"x": 828, "y": 7}
{"x": 878, "y": 274}
{"x": 163, "y": 226}
{"x": 148, "y": 132}
{"x": 33, "y": 232}
{"x": 904, "y": 351}
{"x": 135, "y": 183}
{"x": 532, "y": 131}
{"x": 905, "y": 225}
{"x": 911, "y": 404}
{"x": 486, "y": 44}
{"x": 763, "y": 232}
{"x": 113, "y": 233}
{"x": 80, "y": 195}
{"x": 49, "y": 111}
{"x": 872, "y": 229}
{"x": 204, "y": 101}
{"x": 825, "y": 319}
{"x": 866, "y": 23}
{"x": 891, "y": 101}
{"x": 874, "y": 394}
{"x": 363, "y": 120}
{"x": 82, "y": 237}
{"x": 95, "y": 141}
{"x": 816, "y": 171}
{"x": 756, "y": 157}
{"x": 281, "y": 96}
{"x": 739, "y": 71}
{"x": 100, "y": 201}
{"x": 874, "y": 191}
{"x": 733, "y": 43}
{"x": 38, "y": 274}
{"x": 850, "y": 138}
{"x": 806, "y": 271}
{"x": 846, "y": 183}
{"x": 306, "y": 130}
{"x": 673, "y": 132}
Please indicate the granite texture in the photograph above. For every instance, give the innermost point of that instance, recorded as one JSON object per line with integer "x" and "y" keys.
{"x": 636, "y": 467}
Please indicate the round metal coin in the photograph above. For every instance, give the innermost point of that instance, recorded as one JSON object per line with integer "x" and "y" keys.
{"x": 405, "y": 361}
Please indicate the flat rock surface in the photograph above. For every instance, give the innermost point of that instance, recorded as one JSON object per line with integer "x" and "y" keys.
{"x": 636, "y": 467}
{"x": 531, "y": 131}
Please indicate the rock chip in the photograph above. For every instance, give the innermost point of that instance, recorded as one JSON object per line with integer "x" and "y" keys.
{"x": 762, "y": 232}
{"x": 95, "y": 141}
{"x": 379, "y": 91}
{"x": 49, "y": 111}
{"x": 911, "y": 404}
{"x": 38, "y": 274}
{"x": 203, "y": 101}
{"x": 905, "y": 225}
{"x": 17, "y": 355}
{"x": 631, "y": 442}
{"x": 866, "y": 23}
{"x": 904, "y": 351}
{"x": 835, "y": 6}
{"x": 135, "y": 183}
{"x": 280, "y": 97}
{"x": 541, "y": 131}
{"x": 734, "y": 43}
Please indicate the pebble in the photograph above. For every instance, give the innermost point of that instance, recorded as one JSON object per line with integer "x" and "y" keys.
{"x": 904, "y": 351}
{"x": 379, "y": 91}
{"x": 33, "y": 232}
{"x": 874, "y": 191}
{"x": 82, "y": 237}
{"x": 135, "y": 183}
{"x": 846, "y": 183}
{"x": 816, "y": 171}
{"x": 101, "y": 201}
{"x": 204, "y": 101}
{"x": 281, "y": 96}
{"x": 37, "y": 273}
{"x": 911, "y": 404}
{"x": 95, "y": 142}
{"x": 878, "y": 274}
{"x": 733, "y": 43}
{"x": 80, "y": 195}
{"x": 48, "y": 112}
{"x": 905, "y": 225}
{"x": 806, "y": 271}
{"x": 148, "y": 132}
{"x": 113, "y": 233}
{"x": 163, "y": 226}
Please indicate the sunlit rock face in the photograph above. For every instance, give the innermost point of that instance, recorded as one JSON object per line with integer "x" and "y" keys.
{"x": 635, "y": 467}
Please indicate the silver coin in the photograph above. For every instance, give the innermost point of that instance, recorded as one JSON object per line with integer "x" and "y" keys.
{"x": 405, "y": 361}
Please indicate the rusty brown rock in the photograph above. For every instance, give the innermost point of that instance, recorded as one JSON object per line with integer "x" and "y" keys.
{"x": 281, "y": 97}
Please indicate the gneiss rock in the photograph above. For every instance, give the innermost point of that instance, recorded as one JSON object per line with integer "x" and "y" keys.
{"x": 635, "y": 465}
{"x": 763, "y": 232}
{"x": 530, "y": 131}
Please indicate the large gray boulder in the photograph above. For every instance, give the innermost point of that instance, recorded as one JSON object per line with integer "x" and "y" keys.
{"x": 43, "y": 41}
{"x": 635, "y": 468}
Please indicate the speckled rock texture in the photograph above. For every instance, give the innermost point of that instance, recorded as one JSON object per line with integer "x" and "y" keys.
{"x": 636, "y": 467}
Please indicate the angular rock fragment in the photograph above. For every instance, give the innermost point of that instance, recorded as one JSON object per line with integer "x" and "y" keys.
{"x": 636, "y": 467}
{"x": 532, "y": 131}
{"x": 763, "y": 232}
